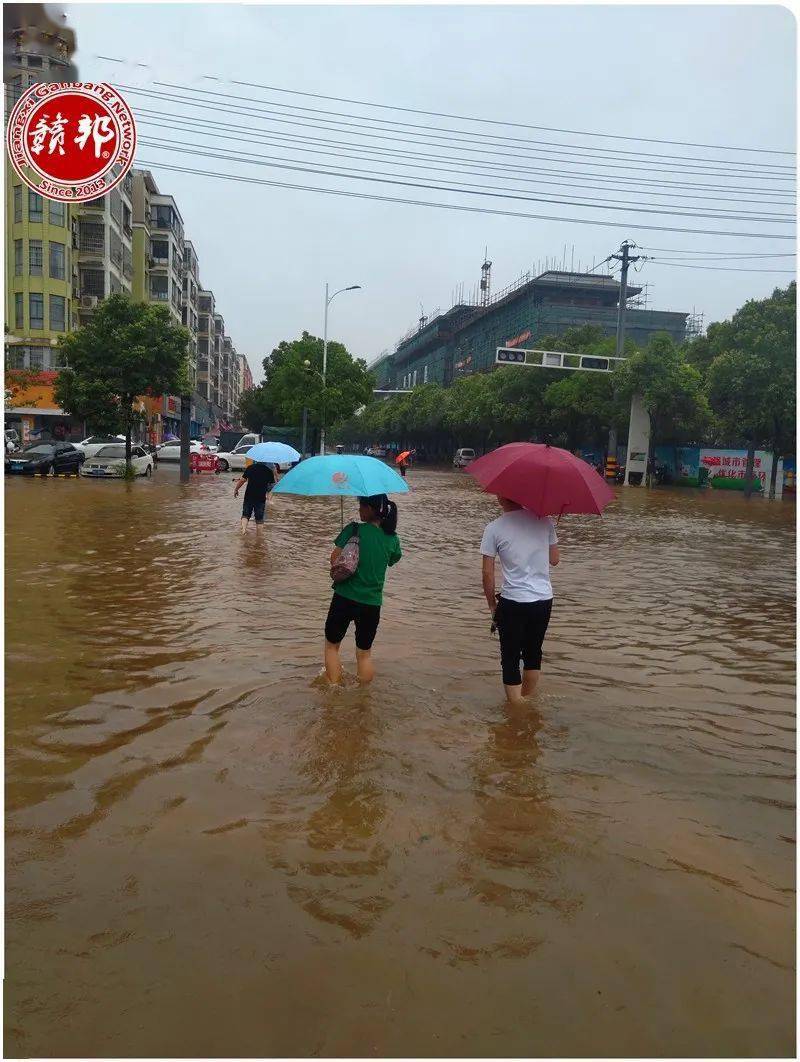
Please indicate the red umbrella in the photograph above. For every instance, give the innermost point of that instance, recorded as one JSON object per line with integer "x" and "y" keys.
{"x": 544, "y": 479}
{"x": 403, "y": 456}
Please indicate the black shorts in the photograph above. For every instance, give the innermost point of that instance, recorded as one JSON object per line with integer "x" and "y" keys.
{"x": 521, "y": 626}
{"x": 342, "y": 612}
{"x": 254, "y": 508}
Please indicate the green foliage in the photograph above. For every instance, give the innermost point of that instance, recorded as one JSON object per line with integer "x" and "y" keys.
{"x": 257, "y": 408}
{"x": 290, "y": 386}
{"x": 752, "y": 370}
{"x": 127, "y": 349}
{"x": 672, "y": 389}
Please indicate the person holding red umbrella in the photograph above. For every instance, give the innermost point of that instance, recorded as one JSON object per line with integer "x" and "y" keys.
{"x": 533, "y": 482}
{"x": 526, "y": 546}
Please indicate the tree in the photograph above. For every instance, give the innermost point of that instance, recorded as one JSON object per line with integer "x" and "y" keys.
{"x": 257, "y": 408}
{"x": 292, "y": 387}
{"x": 671, "y": 388}
{"x": 583, "y": 406}
{"x": 752, "y": 375}
{"x": 127, "y": 349}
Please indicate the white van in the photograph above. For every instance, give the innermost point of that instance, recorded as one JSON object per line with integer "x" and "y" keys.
{"x": 463, "y": 457}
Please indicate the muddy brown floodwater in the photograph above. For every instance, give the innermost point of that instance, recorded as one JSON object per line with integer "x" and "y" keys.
{"x": 209, "y": 856}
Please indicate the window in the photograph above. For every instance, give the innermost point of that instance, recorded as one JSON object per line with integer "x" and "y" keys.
{"x": 17, "y": 204}
{"x": 18, "y": 261}
{"x": 160, "y": 250}
{"x": 35, "y": 258}
{"x": 36, "y": 310}
{"x": 35, "y": 201}
{"x": 35, "y": 60}
{"x": 57, "y": 313}
{"x": 159, "y": 289}
{"x": 19, "y": 312}
{"x": 16, "y": 87}
{"x": 58, "y": 213}
{"x": 58, "y": 258}
{"x": 37, "y": 356}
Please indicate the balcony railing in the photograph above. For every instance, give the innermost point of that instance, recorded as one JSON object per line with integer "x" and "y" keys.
{"x": 92, "y": 241}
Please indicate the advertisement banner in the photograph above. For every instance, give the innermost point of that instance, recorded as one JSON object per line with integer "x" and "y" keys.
{"x": 725, "y": 469}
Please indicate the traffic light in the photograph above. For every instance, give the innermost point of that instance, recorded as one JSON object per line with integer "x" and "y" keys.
{"x": 508, "y": 356}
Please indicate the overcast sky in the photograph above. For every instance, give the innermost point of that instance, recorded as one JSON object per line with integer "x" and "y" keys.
{"x": 710, "y": 75}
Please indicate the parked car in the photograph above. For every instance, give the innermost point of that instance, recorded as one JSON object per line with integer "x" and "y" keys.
{"x": 234, "y": 460}
{"x": 92, "y": 444}
{"x": 463, "y": 457}
{"x": 109, "y": 462}
{"x": 375, "y": 451}
{"x": 43, "y": 458}
{"x": 171, "y": 451}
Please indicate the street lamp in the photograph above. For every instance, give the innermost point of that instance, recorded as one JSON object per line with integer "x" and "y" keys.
{"x": 328, "y": 300}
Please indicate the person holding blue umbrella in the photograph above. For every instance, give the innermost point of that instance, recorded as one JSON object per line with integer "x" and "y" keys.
{"x": 261, "y": 477}
{"x": 363, "y": 552}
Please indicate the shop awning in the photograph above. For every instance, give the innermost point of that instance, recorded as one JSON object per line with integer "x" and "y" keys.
{"x": 34, "y": 411}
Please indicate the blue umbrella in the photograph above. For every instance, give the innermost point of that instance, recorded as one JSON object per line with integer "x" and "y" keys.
{"x": 338, "y": 475}
{"x": 342, "y": 475}
{"x": 273, "y": 453}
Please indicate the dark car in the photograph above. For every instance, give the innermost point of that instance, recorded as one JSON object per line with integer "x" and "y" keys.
{"x": 43, "y": 458}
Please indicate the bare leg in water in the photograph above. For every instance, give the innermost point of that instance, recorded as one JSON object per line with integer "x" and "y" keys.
{"x": 333, "y": 665}
{"x": 366, "y": 672}
{"x": 530, "y": 681}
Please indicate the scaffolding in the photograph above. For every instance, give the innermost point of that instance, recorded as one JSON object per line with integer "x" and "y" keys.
{"x": 695, "y": 326}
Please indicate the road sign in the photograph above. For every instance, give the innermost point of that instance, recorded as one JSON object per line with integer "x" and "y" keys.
{"x": 554, "y": 359}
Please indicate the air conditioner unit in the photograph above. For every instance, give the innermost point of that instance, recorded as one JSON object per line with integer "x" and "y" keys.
{"x": 89, "y": 302}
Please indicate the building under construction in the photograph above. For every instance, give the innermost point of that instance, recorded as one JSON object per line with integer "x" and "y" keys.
{"x": 465, "y": 339}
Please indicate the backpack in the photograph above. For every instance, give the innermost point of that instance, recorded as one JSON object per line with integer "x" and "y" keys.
{"x": 346, "y": 564}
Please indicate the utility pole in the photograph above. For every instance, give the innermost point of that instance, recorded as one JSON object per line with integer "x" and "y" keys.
{"x": 624, "y": 256}
{"x": 186, "y": 412}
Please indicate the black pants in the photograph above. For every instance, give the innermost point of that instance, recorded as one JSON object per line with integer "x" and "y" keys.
{"x": 343, "y": 612}
{"x": 522, "y": 626}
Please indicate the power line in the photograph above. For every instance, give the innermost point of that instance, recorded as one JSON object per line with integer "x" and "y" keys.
{"x": 454, "y": 206}
{"x": 303, "y": 123}
{"x": 349, "y": 152}
{"x": 721, "y": 269}
{"x": 730, "y": 254}
{"x": 504, "y": 166}
{"x": 261, "y": 160}
{"x": 721, "y": 258}
{"x": 460, "y": 117}
{"x": 612, "y": 153}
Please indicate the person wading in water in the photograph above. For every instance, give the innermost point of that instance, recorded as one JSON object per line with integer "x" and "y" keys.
{"x": 359, "y": 597}
{"x": 527, "y": 548}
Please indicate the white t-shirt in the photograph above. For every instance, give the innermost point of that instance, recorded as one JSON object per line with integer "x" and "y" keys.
{"x": 522, "y": 541}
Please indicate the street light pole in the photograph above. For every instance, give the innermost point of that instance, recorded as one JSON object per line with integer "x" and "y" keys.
{"x": 328, "y": 301}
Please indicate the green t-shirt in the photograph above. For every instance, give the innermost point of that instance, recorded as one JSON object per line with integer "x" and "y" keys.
{"x": 377, "y": 551}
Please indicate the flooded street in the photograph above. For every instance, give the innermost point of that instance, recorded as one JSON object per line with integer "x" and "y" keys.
{"x": 208, "y": 855}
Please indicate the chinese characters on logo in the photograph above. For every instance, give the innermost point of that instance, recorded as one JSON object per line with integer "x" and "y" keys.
{"x": 98, "y": 128}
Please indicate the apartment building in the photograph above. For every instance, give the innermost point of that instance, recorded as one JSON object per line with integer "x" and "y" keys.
{"x": 38, "y": 251}
{"x": 189, "y": 305}
{"x": 166, "y": 252}
{"x": 144, "y": 188}
{"x": 102, "y": 243}
{"x": 245, "y": 375}
{"x": 205, "y": 344}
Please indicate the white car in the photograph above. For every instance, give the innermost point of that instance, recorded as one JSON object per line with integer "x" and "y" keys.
{"x": 109, "y": 462}
{"x": 93, "y": 443}
{"x": 171, "y": 451}
{"x": 234, "y": 460}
